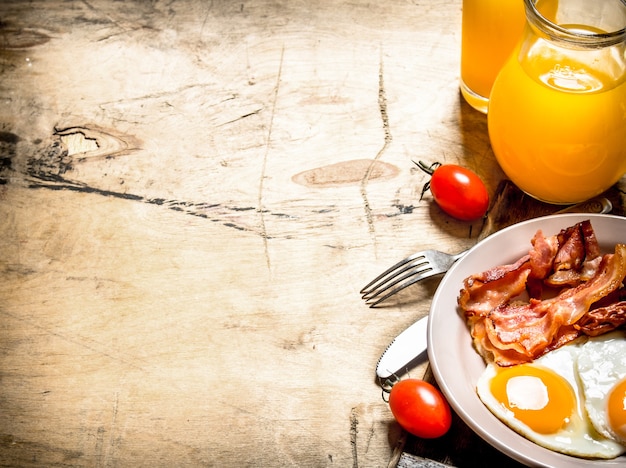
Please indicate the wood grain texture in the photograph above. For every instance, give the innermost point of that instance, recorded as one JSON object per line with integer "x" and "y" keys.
{"x": 192, "y": 194}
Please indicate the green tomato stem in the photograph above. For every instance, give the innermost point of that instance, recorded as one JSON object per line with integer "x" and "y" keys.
{"x": 428, "y": 170}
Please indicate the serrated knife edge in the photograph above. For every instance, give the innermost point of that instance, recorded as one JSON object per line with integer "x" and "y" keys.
{"x": 411, "y": 342}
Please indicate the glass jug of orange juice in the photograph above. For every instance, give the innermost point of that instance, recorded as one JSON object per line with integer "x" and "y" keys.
{"x": 557, "y": 110}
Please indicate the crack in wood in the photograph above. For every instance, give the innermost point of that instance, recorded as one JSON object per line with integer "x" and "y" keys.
{"x": 19, "y": 38}
{"x": 241, "y": 117}
{"x": 47, "y": 170}
{"x": 354, "y": 430}
{"x": 96, "y": 347}
{"x": 228, "y": 96}
{"x": 8, "y": 143}
{"x": 92, "y": 142}
{"x": 382, "y": 105}
{"x": 260, "y": 208}
{"x": 79, "y": 143}
{"x": 209, "y": 211}
{"x": 51, "y": 164}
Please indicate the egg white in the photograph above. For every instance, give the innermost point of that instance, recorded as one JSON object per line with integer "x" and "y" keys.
{"x": 602, "y": 363}
{"x": 579, "y": 437}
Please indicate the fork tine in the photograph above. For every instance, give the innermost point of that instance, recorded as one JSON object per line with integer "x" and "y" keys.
{"x": 390, "y": 281}
{"x": 423, "y": 274}
{"x": 411, "y": 270}
{"x": 374, "y": 283}
{"x": 396, "y": 276}
{"x": 419, "y": 270}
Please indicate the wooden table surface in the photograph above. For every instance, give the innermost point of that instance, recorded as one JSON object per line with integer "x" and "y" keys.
{"x": 192, "y": 194}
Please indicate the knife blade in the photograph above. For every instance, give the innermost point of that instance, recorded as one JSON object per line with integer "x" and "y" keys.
{"x": 409, "y": 347}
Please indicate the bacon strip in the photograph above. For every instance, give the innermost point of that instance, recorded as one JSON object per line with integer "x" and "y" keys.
{"x": 578, "y": 256}
{"x": 571, "y": 253}
{"x": 542, "y": 257}
{"x": 511, "y": 332}
{"x": 602, "y": 320}
{"x": 485, "y": 291}
{"x": 530, "y": 329}
{"x": 542, "y": 254}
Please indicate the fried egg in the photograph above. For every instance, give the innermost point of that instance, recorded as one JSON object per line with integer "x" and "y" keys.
{"x": 544, "y": 402}
{"x": 602, "y": 371}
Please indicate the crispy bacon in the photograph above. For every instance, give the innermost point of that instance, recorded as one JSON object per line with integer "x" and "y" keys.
{"x": 485, "y": 291}
{"x": 542, "y": 254}
{"x": 578, "y": 256}
{"x": 571, "y": 252}
{"x": 603, "y": 320}
{"x": 565, "y": 334}
{"x": 605, "y": 315}
{"x": 531, "y": 328}
{"x": 511, "y": 331}
{"x": 541, "y": 262}
{"x": 488, "y": 350}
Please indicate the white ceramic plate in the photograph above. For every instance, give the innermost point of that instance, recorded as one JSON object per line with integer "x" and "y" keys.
{"x": 454, "y": 361}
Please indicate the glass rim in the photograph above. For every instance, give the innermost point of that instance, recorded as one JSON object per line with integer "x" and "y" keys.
{"x": 592, "y": 40}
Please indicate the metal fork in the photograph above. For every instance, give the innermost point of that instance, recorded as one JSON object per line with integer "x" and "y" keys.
{"x": 412, "y": 269}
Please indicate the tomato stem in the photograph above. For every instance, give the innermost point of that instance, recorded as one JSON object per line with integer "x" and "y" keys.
{"x": 386, "y": 385}
{"x": 428, "y": 170}
{"x": 425, "y": 189}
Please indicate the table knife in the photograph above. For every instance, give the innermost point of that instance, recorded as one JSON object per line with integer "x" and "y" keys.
{"x": 404, "y": 351}
{"x": 409, "y": 347}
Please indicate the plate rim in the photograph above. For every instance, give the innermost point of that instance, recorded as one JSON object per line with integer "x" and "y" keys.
{"x": 511, "y": 444}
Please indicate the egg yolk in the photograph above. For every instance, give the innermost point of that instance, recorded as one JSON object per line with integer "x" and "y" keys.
{"x": 617, "y": 409}
{"x": 537, "y": 396}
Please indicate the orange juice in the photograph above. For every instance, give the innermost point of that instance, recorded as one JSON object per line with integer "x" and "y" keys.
{"x": 557, "y": 126}
{"x": 490, "y": 30}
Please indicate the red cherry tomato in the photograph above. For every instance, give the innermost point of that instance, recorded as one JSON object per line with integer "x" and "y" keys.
{"x": 420, "y": 408}
{"x": 457, "y": 190}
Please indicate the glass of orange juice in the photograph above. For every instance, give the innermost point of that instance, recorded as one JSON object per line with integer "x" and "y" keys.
{"x": 557, "y": 110}
{"x": 490, "y": 30}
